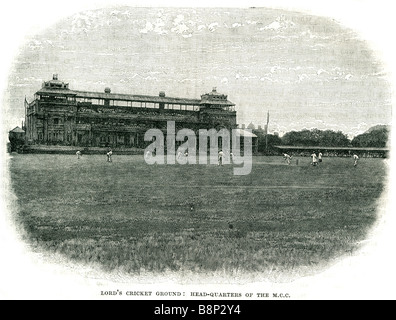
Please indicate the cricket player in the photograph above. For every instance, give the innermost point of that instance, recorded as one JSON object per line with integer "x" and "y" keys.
{"x": 355, "y": 159}
{"x": 109, "y": 153}
{"x": 148, "y": 154}
{"x": 314, "y": 159}
{"x": 287, "y": 158}
{"x": 220, "y": 158}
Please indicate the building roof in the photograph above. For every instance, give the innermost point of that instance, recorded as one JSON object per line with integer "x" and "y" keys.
{"x": 56, "y": 91}
{"x": 224, "y": 103}
{"x": 135, "y": 97}
{"x": 119, "y": 96}
{"x": 212, "y": 98}
{"x": 245, "y": 133}
{"x": 17, "y": 130}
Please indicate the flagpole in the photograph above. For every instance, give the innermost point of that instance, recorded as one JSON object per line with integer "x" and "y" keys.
{"x": 25, "y": 103}
{"x": 266, "y": 134}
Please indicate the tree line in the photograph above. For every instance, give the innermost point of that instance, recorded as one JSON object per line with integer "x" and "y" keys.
{"x": 376, "y": 137}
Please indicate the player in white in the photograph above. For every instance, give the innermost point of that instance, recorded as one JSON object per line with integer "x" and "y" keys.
{"x": 320, "y": 156}
{"x": 287, "y": 158}
{"x": 232, "y": 157}
{"x": 220, "y": 158}
{"x": 355, "y": 159}
{"x": 109, "y": 154}
{"x": 78, "y": 153}
{"x": 314, "y": 159}
{"x": 147, "y": 155}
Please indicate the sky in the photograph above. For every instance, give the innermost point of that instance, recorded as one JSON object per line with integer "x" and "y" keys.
{"x": 306, "y": 70}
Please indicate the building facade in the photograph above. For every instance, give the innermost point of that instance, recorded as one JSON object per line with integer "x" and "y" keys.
{"x": 16, "y": 137}
{"x": 61, "y": 116}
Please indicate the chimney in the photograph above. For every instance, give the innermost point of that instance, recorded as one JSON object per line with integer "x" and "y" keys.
{"x": 162, "y": 93}
{"x": 107, "y": 90}
{"x": 55, "y": 76}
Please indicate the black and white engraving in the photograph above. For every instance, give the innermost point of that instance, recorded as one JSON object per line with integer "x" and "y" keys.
{"x": 197, "y": 145}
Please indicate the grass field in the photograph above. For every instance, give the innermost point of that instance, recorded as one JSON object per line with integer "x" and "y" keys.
{"x": 132, "y": 217}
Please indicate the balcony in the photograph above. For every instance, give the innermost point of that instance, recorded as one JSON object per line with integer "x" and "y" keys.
{"x": 83, "y": 126}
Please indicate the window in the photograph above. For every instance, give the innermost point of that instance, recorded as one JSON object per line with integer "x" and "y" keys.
{"x": 56, "y": 120}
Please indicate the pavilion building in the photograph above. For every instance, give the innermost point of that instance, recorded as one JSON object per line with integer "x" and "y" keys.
{"x": 59, "y": 115}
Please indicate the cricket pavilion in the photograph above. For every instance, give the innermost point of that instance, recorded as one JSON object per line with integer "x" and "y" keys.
{"x": 59, "y": 118}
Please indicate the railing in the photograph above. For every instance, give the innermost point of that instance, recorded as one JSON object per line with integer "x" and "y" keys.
{"x": 139, "y": 116}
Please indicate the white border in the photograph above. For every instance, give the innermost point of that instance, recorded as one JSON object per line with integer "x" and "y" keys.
{"x": 370, "y": 275}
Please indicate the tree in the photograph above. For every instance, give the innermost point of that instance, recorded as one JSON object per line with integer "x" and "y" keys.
{"x": 316, "y": 137}
{"x": 374, "y": 137}
{"x": 331, "y": 138}
{"x": 267, "y": 142}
